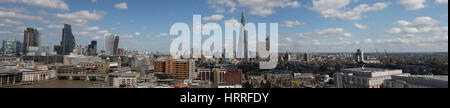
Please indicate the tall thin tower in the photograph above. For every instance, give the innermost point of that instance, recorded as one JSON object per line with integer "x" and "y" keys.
{"x": 243, "y": 39}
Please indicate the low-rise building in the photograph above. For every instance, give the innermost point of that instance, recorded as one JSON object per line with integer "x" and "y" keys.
{"x": 233, "y": 76}
{"x": 364, "y": 77}
{"x": 30, "y": 76}
{"x": 417, "y": 81}
{"x": 122, "y": 80}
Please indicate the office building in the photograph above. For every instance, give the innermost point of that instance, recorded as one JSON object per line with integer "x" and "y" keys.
{"x": 116, "y": 45}
{"x": 79, "y": 50}
{"x": 111, "y": 45}
{"x": 37, "y": 51}
{"x": 9, "y": 47}
{"x": 31, "y": 39}
{"x": 9, "y": 78}
{"x": 359, "y": 56}
{"x": 30, "y": 76}
{"x": 180, "y": 69}
{"x": 92, "y": 48}
{"x": 219, "y": 75}
{"x": 308, "y": 57}
{"x": 417, "y": 81}
{"x": 68, "y": 43}
{"x": 122, "y": 80}
{"x": 58, "y": 49}
{"x": 364, "y": 77}
{"x": 233, "y": 76}
{"x": 215, "y": 75}
{"x": 205, "y": 74}
{"x": 19, "y": 48}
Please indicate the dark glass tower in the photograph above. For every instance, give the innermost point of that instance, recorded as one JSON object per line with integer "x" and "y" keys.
{"x": 92, "y": 48}
{"x": 68, "y": 40}
{"x": 31, "y": 39}
{"x": 116, "y": 45}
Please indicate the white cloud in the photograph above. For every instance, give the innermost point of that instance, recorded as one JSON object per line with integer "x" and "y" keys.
{"x": 288, "y": 39}
{"x": 335, "y": 9}
{"x": 291, "y": 24}
{"x": 47, "y": 4}
{"x": 14, "y": 9}
{"x": 441, "y": 1}
{"x": 421, "y": 33}
{"x": 361, "y": 27}
{"x": 215, "y": 4}
{"x": 368, "y": 41}
{"x": 12, "y": 22}
{"x": 413, "y": 4}
{"x": 257, "y": 7}
{"x": 10, "y": 33}
{"x": 81, "y": 18}
{"x": 232, "y": 20}
{"x": 316, "y": 42}
{"x": 95, "y": 28}
{"x": 103, "y": 32}
{"x": 137, "y": 34}
{"x": 418, "y": 25}
{"x": 394, "y": 31}
{"x": 213, "y": 18}
{"x": 53, "y": 26}
{"x": 83, "y": 33}
{"x": 20, "y": 16}
{"x": 122, "y": 6}
{"x": 325, "y": 33}
{"x": 266, "y": 7}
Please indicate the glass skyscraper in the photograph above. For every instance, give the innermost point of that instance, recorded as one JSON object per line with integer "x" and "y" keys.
{"x": 9, "y": 47}
{"x": 68, "y": 40}
{"x": 116, "y": 45}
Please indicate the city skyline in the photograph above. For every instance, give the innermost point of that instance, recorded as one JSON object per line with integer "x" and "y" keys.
{"x": 305, "y": 26}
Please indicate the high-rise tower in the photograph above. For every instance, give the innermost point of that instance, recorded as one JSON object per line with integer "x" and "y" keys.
{"x": 112, "y": 45}
{"x": 116, "y": 45}
{"x": 92, "y": 48}
{"x": 31, "y": 39}
{"x": 360, "y": 56}
{"x": 243, "y": 40}
{"x": 68, "y": 40}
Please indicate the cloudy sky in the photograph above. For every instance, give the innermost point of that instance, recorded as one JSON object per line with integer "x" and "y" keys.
{"x": 305, "y": 25}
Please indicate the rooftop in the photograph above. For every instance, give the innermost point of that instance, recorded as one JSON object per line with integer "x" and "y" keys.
{"x": 432, "y": 77}
{"x": 372, "y": 72}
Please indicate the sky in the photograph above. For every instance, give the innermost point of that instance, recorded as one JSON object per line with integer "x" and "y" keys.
{"x": 304, "y": 25}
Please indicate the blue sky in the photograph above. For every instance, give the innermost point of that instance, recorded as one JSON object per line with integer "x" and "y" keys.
{"x": 305, "y": 25}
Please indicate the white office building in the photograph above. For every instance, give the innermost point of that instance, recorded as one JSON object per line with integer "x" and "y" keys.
{"x": 364, "y": 77}
{"x": 417, "y": 81}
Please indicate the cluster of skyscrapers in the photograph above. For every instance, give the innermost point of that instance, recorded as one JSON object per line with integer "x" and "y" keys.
{"x": 112, "y": 45}
{"x": 31, "y": 45}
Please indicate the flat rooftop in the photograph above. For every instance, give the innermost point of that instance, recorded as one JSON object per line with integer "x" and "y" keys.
{"x": 372, "y": 72}
{"x": 432, "y": 77}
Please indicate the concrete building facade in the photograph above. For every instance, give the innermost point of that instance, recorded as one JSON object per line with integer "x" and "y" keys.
{"x": 364, "y": 77}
